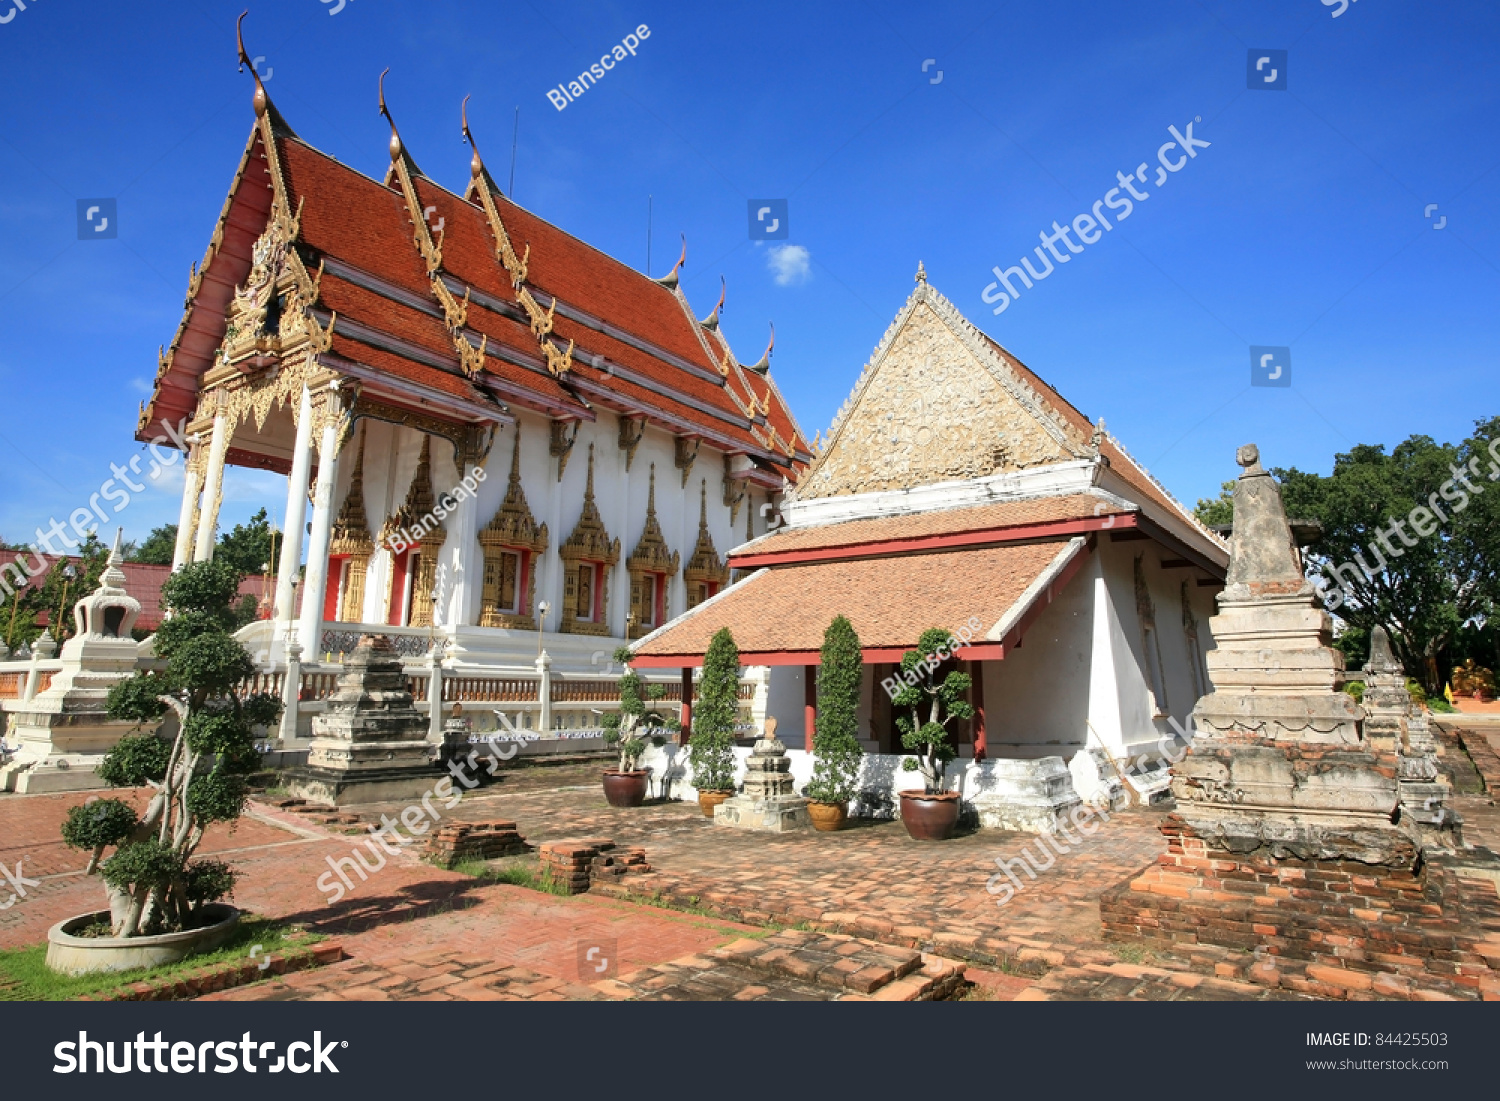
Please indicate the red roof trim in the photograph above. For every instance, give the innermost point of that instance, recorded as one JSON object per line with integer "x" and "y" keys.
{"x": 1016, "y": 533}
{"x": 981, "y": 651}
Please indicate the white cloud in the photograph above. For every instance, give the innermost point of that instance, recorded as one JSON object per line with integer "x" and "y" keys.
{"x": 790, "y": 264}
{"x": 140, "y": 385}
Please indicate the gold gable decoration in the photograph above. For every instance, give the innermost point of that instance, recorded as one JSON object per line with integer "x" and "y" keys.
{"x": 351, "y": 539}
{"x": 590, "y": 542}
{"x": 704, "y": 568}
{"x": 419, "y": 504}
{"x": 651, "y": 556}
{"x": 513, "y": 529}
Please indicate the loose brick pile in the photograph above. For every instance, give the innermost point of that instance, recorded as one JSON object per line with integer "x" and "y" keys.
{"x": 460, "y": 841}
{"x": 321, "y": 813}
{"x": 1432, "y": 926}
{"x": 575, "y": 865}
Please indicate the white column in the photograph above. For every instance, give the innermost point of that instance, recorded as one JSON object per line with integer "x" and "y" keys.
{"x": 544, "y": 691}
{"x": 435, "y": 696}
{"x": 296, "y": 519}
{"x": 182, "y": 552}
{"x": 310, "y": 625}
{"x": 467, "y": 570}
{"x": 213, "y": 484}
{"x": 291, "y": 693}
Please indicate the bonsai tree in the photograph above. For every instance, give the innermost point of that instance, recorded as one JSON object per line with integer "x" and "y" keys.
{"x": 711, "y": 747}
{"x": 931, "y": 706}
{"x": 153, "y": 884}
{"x": 836, "y": 749}
{"x": 628, "y": 728}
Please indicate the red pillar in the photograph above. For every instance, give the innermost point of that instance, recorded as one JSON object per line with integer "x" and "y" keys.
{"x": 687, "y": 705}
{"x": 976, "y": 671}
{"x": 809, "y": 705}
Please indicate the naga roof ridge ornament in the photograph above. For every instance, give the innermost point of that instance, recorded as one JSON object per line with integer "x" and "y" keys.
{"x": 477, "y": 170}
{"x": 263, "y": 106}
{"x": 763, "y": 365}
{"x": 398, "y": 148}
{"x": 673, "y": 277}
{"x": 711, "y": 322}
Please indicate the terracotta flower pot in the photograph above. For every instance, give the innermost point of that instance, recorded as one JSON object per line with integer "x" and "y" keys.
{"x": 708, "y": 800}
{"x": 625, "y": 789}
{"x": 828, "y": 817}
{"x": 929, "y": 817}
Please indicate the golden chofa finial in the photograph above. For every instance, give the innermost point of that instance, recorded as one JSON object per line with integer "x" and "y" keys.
{"x": 262, "y": 101}
{"x": 385, "y": 111}
{"x": 476, "y": 165}
{"x": 921, "y": 273}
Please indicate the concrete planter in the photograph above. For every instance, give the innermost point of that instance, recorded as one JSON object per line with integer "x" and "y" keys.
{"x": 83, "y": 955}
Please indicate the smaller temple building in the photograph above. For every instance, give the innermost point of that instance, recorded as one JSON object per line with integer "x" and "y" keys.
{"x": 957, "y": 489}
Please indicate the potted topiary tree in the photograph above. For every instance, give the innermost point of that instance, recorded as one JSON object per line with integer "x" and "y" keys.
{"x": 836, "y": 750}
{"x": 163, "y": 904}
{"x": 711, "y": 747}
{"x": 932, "y": 705}
{"x": 628, "y": 730}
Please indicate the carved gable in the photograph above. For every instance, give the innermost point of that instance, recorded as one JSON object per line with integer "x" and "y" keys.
{"x": 936, "y": 403}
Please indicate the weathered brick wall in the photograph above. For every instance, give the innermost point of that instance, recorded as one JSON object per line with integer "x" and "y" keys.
{"x": 1341, "y": 914}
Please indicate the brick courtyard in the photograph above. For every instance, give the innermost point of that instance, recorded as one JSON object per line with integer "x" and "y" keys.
{"x": 723, "y": 914}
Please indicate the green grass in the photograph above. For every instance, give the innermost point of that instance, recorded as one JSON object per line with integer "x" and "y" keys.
{"x": 527, "y": 874}
{"x": 25, "y": 977}
{"x": 1131, "y": 953}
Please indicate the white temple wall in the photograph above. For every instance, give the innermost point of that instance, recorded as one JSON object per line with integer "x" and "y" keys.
{"x": 1036, "y": 701}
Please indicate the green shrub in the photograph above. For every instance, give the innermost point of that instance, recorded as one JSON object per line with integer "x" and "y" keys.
{"x": 153, "y": 883}
{"x": 711, "y": 747}
{"x": 943, "y": 702}
{"x": 836, "y": 750}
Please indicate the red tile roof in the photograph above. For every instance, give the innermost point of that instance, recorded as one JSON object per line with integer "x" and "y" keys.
{"x": 656, "y": 360}
{"x": 890, "y": 601}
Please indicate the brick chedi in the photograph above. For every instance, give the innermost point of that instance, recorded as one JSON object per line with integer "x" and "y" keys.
{"x": 1295, "y": 832}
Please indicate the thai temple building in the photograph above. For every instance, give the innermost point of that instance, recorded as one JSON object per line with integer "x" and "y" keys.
{"x": 494, "y": 436}
{"x": 512, "y": 454}
{"x": 958, "y": 490}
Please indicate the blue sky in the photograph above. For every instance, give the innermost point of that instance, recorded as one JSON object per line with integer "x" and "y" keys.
{"x": 1304, "y": 223}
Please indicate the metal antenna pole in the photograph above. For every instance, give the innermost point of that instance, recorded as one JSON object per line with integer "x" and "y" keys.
{"x": 515, "y": 134}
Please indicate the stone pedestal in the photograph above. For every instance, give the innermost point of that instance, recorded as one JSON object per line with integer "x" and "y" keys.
{"x": 370, "y": 746}
{"x": 1012, "y": 794}
{"x": 767, "y": 801}
{"x": 65, "y": 732}
{"x": 1294, "y": 830}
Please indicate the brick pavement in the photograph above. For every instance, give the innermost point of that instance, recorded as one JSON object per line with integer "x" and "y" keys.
{"x": 500, "y": 941}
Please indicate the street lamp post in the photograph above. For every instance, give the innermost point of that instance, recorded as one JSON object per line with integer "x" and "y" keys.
{"x": 68, "y": 574}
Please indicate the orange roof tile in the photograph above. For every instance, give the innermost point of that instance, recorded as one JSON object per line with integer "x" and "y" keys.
{"x": 890, "y": 601}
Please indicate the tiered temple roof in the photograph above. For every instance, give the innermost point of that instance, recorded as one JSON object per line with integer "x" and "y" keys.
{"x": 404, "y": 270}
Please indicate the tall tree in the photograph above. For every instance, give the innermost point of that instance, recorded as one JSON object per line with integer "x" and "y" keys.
{"x": 248, "y": 546}
{"x": 711, "y": 747}
{"x": 1411, "y": 542}
{"x": 836, "y": 749}
{"x": 158, "y": 547}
